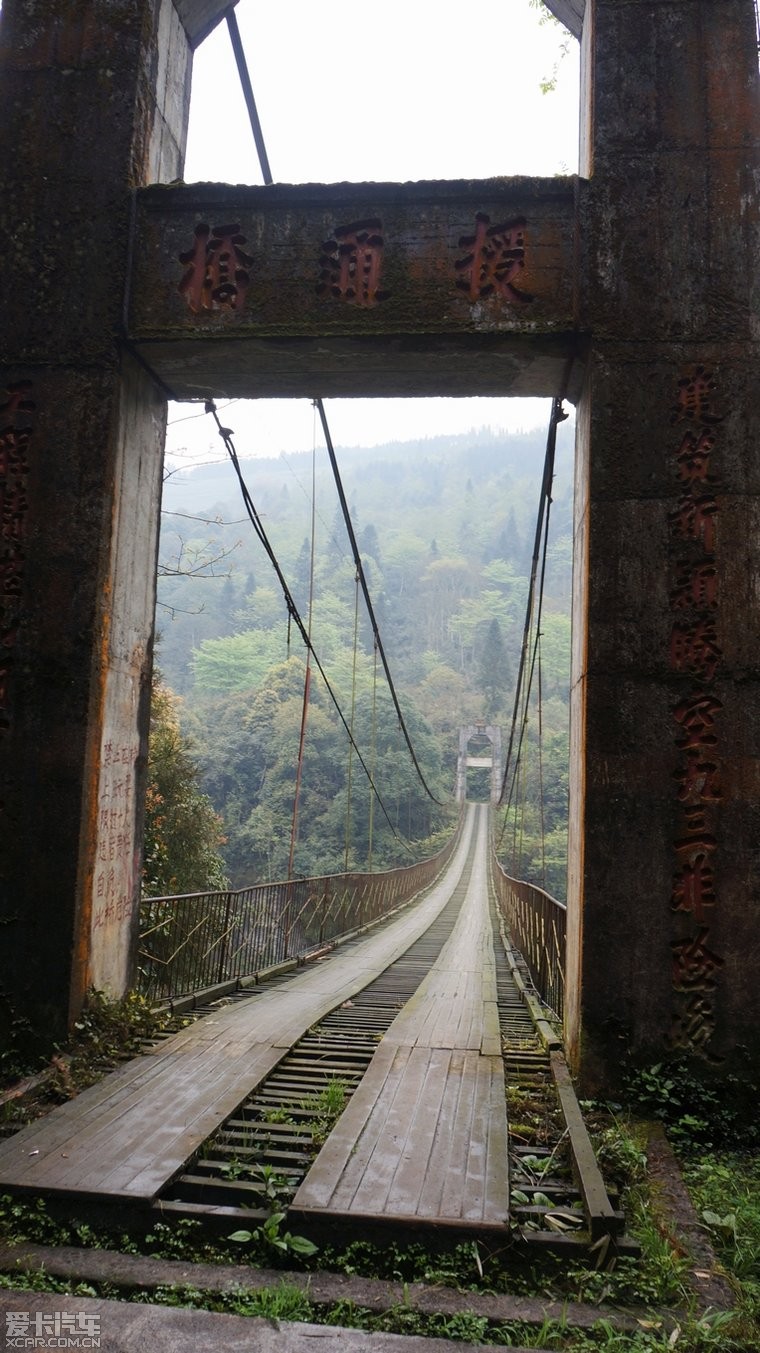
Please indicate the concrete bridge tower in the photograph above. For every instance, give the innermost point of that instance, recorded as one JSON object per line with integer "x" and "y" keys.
{"x": 486, "y": 756}
{"x": 630, "y": 290}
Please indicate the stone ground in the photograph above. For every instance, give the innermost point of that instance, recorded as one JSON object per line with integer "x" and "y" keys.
{"x": 160, "y": 1329}
{"x": 137, "y": 1271}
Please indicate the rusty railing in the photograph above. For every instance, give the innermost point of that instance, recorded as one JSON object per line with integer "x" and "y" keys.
{"x": 536, "y": 923}
{"x": 199, "y": 941}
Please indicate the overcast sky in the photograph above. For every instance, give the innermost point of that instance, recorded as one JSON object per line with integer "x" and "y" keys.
{"x": 403, "y": 90}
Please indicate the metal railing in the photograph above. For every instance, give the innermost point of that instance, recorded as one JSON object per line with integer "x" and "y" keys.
{"x": 204, "y": 940}
{"x": 537, "y": 924}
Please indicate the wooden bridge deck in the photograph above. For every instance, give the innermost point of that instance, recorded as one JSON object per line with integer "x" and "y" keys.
{"x": 430, "y": 1114}
{"x": 424, "y": 1137}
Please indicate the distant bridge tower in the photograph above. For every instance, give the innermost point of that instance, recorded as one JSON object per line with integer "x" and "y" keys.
{"x": 479, "y": 745}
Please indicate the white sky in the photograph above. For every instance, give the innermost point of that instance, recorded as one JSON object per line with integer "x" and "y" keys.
{"x": 403, "y": 90}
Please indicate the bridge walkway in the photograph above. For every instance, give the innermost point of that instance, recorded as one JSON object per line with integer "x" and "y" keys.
{"x": 129, "y": 1136}
{"x": 424, "y": 1137}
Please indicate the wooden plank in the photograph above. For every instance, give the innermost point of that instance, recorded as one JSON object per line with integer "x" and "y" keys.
{"x": 450, "y": 1147}
{"x": 104, "y": 1141}
{"x": 416, "y": 1158}
{"x": 490, "y": 1041}
{"x": 497, "y": 1187}
{"x": 379, "y": 1126}
{"x": 371, "y": 1195}
{"x": 473, "y": 1188}
{"x": 53, "y": 1134}
{"x": 154, "y": 1155}
{"x": 131, "y": 1133}
{"x": 602, "y": 1217}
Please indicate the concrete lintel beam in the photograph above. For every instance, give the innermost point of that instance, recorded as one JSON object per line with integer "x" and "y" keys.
{"x": 570, "y": 13}
{"x": 200, "y": 17}
{"x": 348, "y": 289}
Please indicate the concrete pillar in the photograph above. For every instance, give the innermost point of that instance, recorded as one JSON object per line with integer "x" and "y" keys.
{"x": 664, "y": 927}
{"x": 93, "y": 103}
{"x": 494, "y": 732}
{"x": 461, "y": 781}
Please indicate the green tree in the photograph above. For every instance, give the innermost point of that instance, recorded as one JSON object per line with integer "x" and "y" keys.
{"x": 182, "y": 832}
{"x": 494, "y": 675}
{"x": 369, "y": 543}
{"x": 238, "y": 662}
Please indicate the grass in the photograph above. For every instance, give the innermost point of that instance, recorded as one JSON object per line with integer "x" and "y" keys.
{"x": 328, "y": 1104}
{"x": 725, "y": 1187}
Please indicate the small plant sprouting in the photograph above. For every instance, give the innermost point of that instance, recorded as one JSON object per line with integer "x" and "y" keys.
{"x": 327, "y": 1106}
{"x": 270, "y": 1235}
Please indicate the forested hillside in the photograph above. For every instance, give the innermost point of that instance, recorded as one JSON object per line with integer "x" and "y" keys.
{"x": 445, "y": 527}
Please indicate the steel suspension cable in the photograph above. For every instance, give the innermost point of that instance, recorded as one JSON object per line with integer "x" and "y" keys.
{"x": 541, "y": 764}
{"x": 250, "y": 102}
{"x": 557, "y": 416}
{"x": 521, "y": 785}
{"x": 368, "y": 599}
{"x": 226, "y": 436}
{"x": 307, "y": 674}
{"x": 535, "y": 655}
{"x": 373, "y": 760}
{"x": 268, "y": 179}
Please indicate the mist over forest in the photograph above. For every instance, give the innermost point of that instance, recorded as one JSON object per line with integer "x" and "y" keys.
{"x": 445, "y": 527}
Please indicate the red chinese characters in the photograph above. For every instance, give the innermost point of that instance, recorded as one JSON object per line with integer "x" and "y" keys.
{"x": 351, "y": 264}
{"x": 694, "y": 965}
{"x": 494, "y": 260}
{"x": 695, "y": 655}
{"x": 15, "y": 434}
{"x": 218, "y": 270}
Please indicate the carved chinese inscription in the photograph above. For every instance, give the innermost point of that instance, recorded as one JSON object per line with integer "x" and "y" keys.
{"x": 115, "y": 866}
{"x": 218, "y": 270}
{"x": 351, "y": 264}
{"x": 15, "y": 432}
{"x": 695, "y": 654}
{"x": 494, "y": 260}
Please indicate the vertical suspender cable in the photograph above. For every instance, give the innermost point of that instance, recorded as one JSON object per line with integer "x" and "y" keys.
{"x": 299, "y": 768}
{"x": 522, "y": 787}
{"x": 349, "y": 778}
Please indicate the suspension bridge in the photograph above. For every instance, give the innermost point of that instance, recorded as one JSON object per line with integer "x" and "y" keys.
{"x": 420, "y": 1009}
{"x": 420, "y": 1004}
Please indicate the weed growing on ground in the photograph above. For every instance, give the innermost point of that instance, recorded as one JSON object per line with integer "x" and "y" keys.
{"x": 271, "y": 1236}
{"x": 327, "y": 1106}
{"x": 182, "y": 1238}
{"x": 696, "y": 1112}
{"x": 285, "y": 1302}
